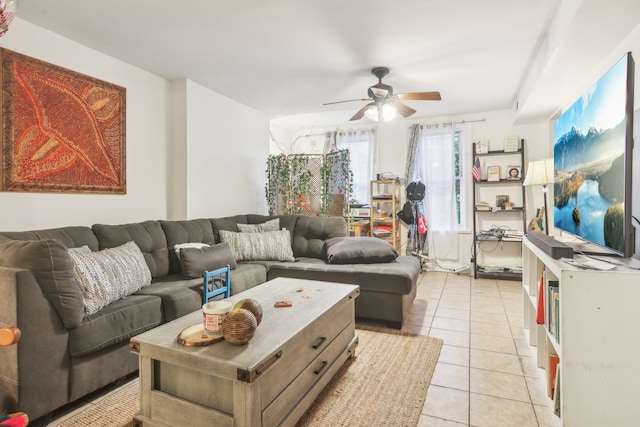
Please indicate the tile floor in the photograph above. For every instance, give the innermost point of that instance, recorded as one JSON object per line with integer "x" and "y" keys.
{"x": 486, "y": 374}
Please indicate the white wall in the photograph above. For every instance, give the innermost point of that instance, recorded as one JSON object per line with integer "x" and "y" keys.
{"x": 227, "y": 150}
{"x": 189, "y": 151}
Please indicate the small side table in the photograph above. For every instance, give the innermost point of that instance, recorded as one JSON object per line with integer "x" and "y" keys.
{"x": 360, "y": 228}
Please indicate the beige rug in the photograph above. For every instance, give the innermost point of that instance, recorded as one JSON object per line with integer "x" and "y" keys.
{"x": 384, "y": 385}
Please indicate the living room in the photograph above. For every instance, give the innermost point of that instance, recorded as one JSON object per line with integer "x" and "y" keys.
{"x": 191, "y": 150}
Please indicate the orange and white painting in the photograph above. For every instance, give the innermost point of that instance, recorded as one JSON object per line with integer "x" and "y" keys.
{"x": 62, "y": 131}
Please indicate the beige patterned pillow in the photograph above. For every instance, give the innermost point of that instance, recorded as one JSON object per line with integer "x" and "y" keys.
{"x": 272, "y": 225}
{"x": 109, "y": 275}
{"x": 266, "y": 246}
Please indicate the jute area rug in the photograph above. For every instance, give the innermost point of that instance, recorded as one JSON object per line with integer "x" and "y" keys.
{"x": 384, "y": 385}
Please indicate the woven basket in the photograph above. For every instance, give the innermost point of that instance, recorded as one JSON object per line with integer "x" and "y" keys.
{"x": 239, "y": 326}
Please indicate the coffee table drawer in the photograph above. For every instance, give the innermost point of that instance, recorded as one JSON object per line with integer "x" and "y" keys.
{"x": 306, "y": 346}
{"x": 314, "y": 372}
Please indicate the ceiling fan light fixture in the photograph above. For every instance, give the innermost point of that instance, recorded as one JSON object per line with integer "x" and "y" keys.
{"x": 385, "y": 112}
{"x": 372, "y": 113}
{"x": 388, "y": 112}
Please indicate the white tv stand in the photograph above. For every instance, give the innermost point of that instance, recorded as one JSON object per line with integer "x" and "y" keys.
{"x": 598, "y": 340}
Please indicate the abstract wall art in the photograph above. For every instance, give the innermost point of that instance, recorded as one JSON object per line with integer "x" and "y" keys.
{"x": 61, "y": 131}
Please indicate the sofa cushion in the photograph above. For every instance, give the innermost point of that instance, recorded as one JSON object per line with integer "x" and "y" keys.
{"x": 179, "y": 296}
{"x": 358, "y": 250}
{"x": 271, "y": 225}
{"x": 270, "y": 245}
{"x": 71, "y": 237}
{"x": 397, "y": 277}
{"x": 109, "y": 275}
{"x": 116, "y": 323}
{"x": 51, "y": 266}
{"x": 181, "y": 232}
{"x": 229, "y": 223}
{"x": 180, "y": 246}
{"x": 149, "y": 237}
{"x": 195, "y": 261}
{"x": 311, "y": 232}
{"x": 287, "y": 222}
{"x": 246, "y": 276}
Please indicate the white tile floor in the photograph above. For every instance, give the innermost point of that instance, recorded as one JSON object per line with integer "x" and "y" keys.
{"x": 486, "y": 374}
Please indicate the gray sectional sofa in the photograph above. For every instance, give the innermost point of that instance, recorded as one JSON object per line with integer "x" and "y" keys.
{"x": 65, "y": 354}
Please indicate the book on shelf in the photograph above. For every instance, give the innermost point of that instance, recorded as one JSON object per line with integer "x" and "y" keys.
{"x": 552, "y": 299}
{"x": 540, "y": 311}
{"x": 556, "y": 392}
{"x": 552, "y": 372}
{"x": 493, "y": 173}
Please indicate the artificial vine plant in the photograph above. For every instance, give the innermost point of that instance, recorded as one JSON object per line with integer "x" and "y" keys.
{"x": 337, "y": 179}
{"x": 289, "y": 186}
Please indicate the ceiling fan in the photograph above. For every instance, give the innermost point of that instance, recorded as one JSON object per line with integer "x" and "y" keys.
{"x": 385, "y": 103}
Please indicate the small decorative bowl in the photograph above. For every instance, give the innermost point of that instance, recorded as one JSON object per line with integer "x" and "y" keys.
{"x": 239, "y": 326}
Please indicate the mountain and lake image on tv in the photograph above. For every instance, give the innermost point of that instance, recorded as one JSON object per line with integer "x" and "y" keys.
{"x": 592, "y": 162}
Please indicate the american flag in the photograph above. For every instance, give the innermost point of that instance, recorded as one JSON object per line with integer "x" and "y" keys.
{"x": 476, "y": 171}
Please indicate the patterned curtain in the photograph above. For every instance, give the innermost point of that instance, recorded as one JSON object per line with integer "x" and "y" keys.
{"x": 414, "y": 139}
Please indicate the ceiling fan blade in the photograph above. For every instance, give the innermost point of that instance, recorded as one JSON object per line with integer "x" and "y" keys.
{"x": 419, "y": 96}
{"x": 402, "y": 109}
{"x": 348, "y": 100}
{"x": 360, "y": 113}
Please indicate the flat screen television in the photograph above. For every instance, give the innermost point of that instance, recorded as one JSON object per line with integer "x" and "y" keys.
{"x": 592, "y": 152}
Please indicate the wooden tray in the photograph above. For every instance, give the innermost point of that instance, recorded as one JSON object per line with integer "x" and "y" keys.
{"x": 194, "y": 336}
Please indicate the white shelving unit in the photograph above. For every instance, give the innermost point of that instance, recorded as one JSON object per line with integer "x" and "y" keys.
{"x": 598, "y": 346}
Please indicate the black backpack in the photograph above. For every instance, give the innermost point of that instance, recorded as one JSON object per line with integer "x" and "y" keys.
{"x": 406, "y": 214}
{"x": 415, "y": 191}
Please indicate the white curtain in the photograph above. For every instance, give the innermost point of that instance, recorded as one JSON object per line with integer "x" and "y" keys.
{"x": 361, "y": 144}
{"x": 435, "y": 166}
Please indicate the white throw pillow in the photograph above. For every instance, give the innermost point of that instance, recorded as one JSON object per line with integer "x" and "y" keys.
{"x": 109, "y": 275}
{"x": 266, "y": 246}
{"x": 196, "y": 245}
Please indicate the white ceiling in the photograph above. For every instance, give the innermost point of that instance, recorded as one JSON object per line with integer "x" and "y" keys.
{"x": 288, "y": 57}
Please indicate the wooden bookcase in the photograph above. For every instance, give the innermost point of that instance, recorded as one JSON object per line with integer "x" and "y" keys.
{"x": 596, "y": 340}
{"x": 384, "y": 204}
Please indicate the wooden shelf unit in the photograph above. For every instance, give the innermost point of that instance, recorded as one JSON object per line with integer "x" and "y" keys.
{"x": 599, "y": 355}
{"x": 384, "y": 204}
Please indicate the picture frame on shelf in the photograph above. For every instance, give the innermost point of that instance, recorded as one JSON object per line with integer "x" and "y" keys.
{"x": 482, "y": 146}
{"x": 493, "y": 173}
{"x": 501, "y": 199}
{"x": 514, "y": 172}
{"x": 511, "y": 144}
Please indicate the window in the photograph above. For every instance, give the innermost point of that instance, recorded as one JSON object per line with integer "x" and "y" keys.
{"x": 440, "y": 166}
{"x": 361, "y": 145}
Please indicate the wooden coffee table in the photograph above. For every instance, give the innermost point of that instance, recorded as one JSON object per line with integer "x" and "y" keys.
{"x": 270, "y": 381}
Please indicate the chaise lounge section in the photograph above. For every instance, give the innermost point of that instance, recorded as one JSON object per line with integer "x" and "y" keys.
{"x": 66, "y": 353}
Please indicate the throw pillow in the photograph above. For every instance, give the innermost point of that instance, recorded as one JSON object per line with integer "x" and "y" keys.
{"x": 358, "y": 250}
{"x": 84, "y": 249}
{"x": 272, "y": 225}
{"x": 109, "y": 275}
{"x": 195, "y": 261}
{"x": 266, "y": 246}
{"x": 180, "y": 246}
